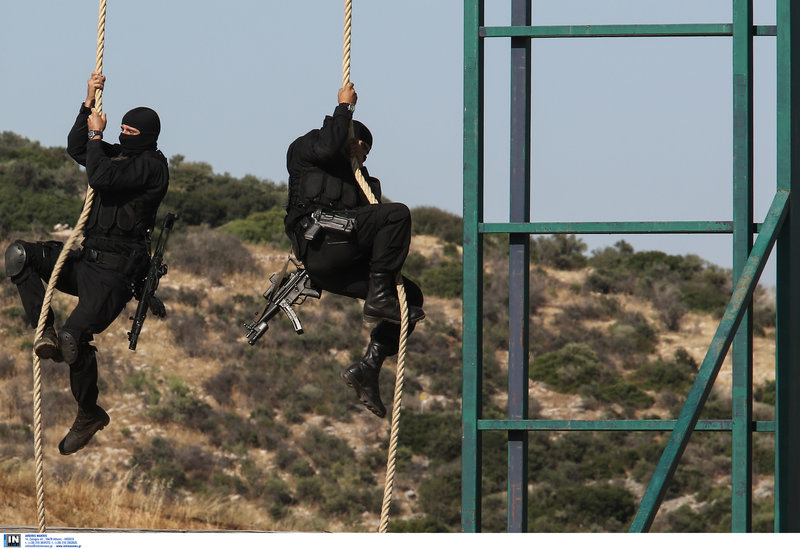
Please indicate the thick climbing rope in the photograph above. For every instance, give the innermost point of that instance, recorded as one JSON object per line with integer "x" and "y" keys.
{"x": 48, "y": 297}
{"x": 401, "y": 295}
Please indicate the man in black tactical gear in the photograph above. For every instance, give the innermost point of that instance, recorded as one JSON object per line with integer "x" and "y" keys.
{"x": 364, "y": 262}
{"x": 129, "y": 182}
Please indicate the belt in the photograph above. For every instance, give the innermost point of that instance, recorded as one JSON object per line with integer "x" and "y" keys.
{"x": 112, "y": 260}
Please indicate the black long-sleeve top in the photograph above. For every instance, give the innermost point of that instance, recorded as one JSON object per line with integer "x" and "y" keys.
{"x": 128, "y": 189}
{"x": 323, "y": 149}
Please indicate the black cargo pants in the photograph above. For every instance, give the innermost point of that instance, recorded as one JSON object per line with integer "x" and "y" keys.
{"x": 102, "y": 293}
{"x": 341, "y": 264}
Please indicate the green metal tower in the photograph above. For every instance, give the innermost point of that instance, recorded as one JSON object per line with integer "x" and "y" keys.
{"x": 780, "y": 226}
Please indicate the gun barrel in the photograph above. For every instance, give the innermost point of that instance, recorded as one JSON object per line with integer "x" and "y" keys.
{"x": 133, "y": 335}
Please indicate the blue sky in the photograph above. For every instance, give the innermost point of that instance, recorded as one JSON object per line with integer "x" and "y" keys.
{"x": 623, "y": 129}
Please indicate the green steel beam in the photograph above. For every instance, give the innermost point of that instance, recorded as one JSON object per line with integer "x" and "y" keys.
{"x": 742, "y": 350}
{"x": 620, "y": 31}
{"x": 612, "y": 425}
{"x": 472, "y": 306}
{"x": 613, "y": 227}
{"x": 712, "y": 362}
{"x": 787, "y": 348}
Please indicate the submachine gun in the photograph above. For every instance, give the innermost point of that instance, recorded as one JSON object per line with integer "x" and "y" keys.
{"x": 147, "y": 297}
{"x": 284, "y": 292}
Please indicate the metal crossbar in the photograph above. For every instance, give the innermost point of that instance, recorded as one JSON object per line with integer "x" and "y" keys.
{"x": 620, "y": 31}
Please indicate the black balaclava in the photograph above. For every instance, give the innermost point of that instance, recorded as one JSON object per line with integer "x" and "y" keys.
{"x": 147, "y": 122}
{"x": 360, "y": 131}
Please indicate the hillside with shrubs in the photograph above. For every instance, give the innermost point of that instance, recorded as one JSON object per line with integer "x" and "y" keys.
{"x": 208, "y": 432}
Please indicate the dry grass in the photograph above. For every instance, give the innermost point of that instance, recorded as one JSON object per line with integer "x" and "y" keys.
{"x": 78, "y": 503}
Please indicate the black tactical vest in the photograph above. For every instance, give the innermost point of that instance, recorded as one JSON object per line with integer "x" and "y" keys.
{"x": 126, "y": 215}
{"x": 110, "y": 217}
{"x": 316, "y": 188}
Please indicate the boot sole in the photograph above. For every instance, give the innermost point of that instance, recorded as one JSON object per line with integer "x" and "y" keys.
{"x": 48, "y": 351}
{"x": 61, "y": 450}
{"x": 360, "y": 394}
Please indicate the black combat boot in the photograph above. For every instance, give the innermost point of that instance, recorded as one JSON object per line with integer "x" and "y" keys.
{"x": 363, "y": 377}
{"x": 47, "y": 346}
{"x": 83, "y": 429}
{"x": 382, "y": 302}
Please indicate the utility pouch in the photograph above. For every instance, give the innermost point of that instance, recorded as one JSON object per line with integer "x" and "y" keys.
{"x": 336, "y": 223}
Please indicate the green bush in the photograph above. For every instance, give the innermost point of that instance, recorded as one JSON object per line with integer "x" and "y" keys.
{"x": 765, "y": 392}
{"x": 444, "y": 280}
{"x": 632, "y": 335}
{"x": 16, "y": 433}
{"x": 157, "y": 464}
{"x": 440, "y": 496}
{"x": 560, "y": 251}
{"x": 687, "y": 520}
{"x": 301, "y": 468}
{"x": 593, "y": 501}
{"x": 38, "y": 185}
{"x": 230, "y": 431}
{"x": 568, "y": 369}
{"x": 415, "y": 265}
{"x": 688, "y": 479}
{"x": 259, "y": 227}
{"x": 209, "y": 253}
{"x": 179, "y": 405}
{"x": 669, "y": 304}
{"x": 581, "y": 508}
{"x": 203, "y": 197}
{"x": 567, "y": 457}
{"x": 326, "y": 450}
{"x": 436, "y": 222}
{"x": 276, "y": 496}
{"x": 435, "y": 436}
{"x": 576, "y": 368}
{"x": 309, "y": 490}
{"x": 284, "y": 457}
{"x": 622, "y": 392}
{"x": 709, "y": 292}
{"x": 717, "y": 406}
{"x": 673, "y": 282}
{"x": 349, "y": 499}
{"x": 764, "y": 455}
{"x": 676, "y": 375}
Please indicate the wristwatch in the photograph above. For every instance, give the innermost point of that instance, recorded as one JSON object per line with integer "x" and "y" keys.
{"x": 350, "y": 106}
{"x": 95, "y": 133}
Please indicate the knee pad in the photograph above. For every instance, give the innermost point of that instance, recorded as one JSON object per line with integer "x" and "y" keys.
{"x": 69, "y": 346}
{"x": 16, "y": 260}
